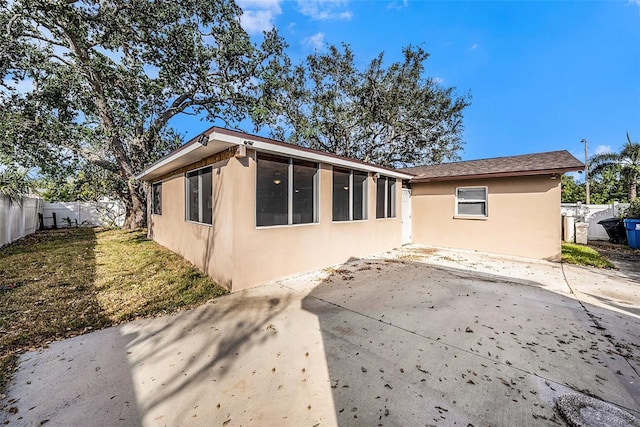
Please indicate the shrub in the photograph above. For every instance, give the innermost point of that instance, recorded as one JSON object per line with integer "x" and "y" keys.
{"x": 633, "y": 211}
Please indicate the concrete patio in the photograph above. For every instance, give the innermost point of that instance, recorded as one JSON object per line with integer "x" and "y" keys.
{"x": 419, "y": 336}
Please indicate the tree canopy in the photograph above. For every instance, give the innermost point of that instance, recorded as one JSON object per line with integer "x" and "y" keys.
{"x": 389, "y": 115}
{"x": 625, "y": 163}
{"x": 94, "y": 84}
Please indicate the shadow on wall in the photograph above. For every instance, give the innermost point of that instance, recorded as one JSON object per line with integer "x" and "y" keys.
{"x": 409, "y": 343}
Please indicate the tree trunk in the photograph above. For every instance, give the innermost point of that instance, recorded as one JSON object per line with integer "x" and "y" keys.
{"x": 135, "y": 207}
{"x": 633, "y": 189}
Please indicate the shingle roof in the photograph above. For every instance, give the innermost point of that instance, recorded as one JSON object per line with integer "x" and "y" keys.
{"x": 528, "y": 164}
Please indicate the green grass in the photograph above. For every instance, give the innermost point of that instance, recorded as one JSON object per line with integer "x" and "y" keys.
{"x": 62, "y": 283}
{"x": 584, "y": 255}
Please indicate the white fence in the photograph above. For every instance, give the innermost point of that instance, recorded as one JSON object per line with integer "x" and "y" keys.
{"x": 18, "y": 219}
{"x": 593, "y": 214}
{"x": 21, "y": 218}
{"x": 84, "y": 214}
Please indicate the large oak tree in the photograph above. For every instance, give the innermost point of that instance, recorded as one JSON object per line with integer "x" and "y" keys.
{"x": 97, "y": 82}
{"x": 391, "y": 115}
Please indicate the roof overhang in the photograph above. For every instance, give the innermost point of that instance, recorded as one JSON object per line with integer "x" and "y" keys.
{"x": 559, "y": 171}
{"x": 222, "y": 139}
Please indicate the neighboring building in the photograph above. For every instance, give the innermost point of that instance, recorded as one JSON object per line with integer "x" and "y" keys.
{"x": 505, "y": 205}
{"x": 248, "y": 210}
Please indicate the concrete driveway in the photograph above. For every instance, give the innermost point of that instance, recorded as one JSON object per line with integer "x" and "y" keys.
{"x": 419, "y": 336}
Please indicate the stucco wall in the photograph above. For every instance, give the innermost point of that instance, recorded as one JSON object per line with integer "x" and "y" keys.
{"x": 523, "y": 217}
{"x": 208, "y": 247}
{"x": 262, "y": 254}
{"x": 239, "y": 255}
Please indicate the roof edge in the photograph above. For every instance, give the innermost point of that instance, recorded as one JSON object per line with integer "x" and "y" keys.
{"x": 260, "y": 143}
{"x": 498, "y": 175}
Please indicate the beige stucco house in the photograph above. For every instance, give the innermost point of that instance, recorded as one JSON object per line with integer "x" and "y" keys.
{"x": 247, "y": 210}
{"x": 505, "y": 205}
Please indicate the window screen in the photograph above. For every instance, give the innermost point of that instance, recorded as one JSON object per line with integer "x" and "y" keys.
{"x": 386, "y": 197}
{"x": 340, "y": 194}
{"x": 199, "y": 203}
{"x": 156, "y": 198}
{"x": 359, "y": 195}
{"x": 272, "y": 191}
{"x": 286, "y": 191}
{"x": 472, "y": 201}
{"x": 304, "y": 197}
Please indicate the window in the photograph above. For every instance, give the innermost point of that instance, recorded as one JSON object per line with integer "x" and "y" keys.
{"x": 286, "y": 191}
{"x": 349, "y": 195}
{"x": 471, "y": 201}
{"x": 156, "y": 198}
{"x": 386, "y": 197}
{"x": 199, "y": 203}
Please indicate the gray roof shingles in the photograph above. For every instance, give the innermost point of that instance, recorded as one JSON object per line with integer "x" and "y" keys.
{"x": 527, "y": 164}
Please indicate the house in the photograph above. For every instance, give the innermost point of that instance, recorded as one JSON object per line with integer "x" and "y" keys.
{"x": 505, "y": 205}
{"x": 247, "y": 210}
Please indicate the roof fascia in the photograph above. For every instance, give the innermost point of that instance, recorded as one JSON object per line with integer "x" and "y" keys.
{"x": 497, "y": 175}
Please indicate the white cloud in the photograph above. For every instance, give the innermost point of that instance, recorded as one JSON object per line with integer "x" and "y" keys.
{"x": 258, "y": 15}
{"x": 323, "y": 10}
{"x": 603, "y": 149}
{"x": 315, "y": 41}
{"x": 474, "y": 46}
{"x": 398, "y": 5}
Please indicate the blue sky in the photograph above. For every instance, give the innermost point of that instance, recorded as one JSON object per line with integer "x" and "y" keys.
{"x": 543, "y": 74}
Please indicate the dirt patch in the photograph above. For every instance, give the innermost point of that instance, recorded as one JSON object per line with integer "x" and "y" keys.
{"x": 621, "y": 255}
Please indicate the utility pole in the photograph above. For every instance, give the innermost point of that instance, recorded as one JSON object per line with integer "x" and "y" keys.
{"x": 586, "y": 169}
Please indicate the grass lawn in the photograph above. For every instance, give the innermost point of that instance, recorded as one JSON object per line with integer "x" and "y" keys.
{"x": 583, "y": 255}
{"x": 61, "y": 283}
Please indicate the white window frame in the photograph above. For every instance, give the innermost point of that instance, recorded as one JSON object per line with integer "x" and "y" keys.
{"x": 290, "y": 190}
{"x": 386, "y": 198}
{"x": 365, "y": 195}
{"x": 200, "y": 196}
{"x": 485, "y": 201}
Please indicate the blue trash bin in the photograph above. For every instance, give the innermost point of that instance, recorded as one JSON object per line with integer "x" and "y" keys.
{"x": 633, "y": 232}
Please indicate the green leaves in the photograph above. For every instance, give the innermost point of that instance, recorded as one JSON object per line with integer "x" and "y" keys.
{"x": 107, "y": 78}
{"x": 15, "y": 184}
{"x": 625, "y": 164}
{"x": 390, "y": 115}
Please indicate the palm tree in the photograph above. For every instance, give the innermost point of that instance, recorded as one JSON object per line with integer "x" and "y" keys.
{"x": 627, "y": 161}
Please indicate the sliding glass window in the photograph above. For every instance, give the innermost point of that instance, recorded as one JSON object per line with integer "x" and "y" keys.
{"x": 349, "y": 195}
{"x": 286, "y": 191}
{"x": 385, "y": 197}
{"x": 156, "y": 198}
{"x": 199, "y": 195}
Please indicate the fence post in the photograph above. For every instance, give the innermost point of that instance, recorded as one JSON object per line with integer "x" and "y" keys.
{"x": 55, "y": 221}
{"x": 40, "y": 221}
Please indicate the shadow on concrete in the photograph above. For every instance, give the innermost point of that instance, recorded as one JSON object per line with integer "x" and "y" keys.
{"x": 409, "y": 343}
{"x": 198, "y": 347}
{"x": 70, "y": 308}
